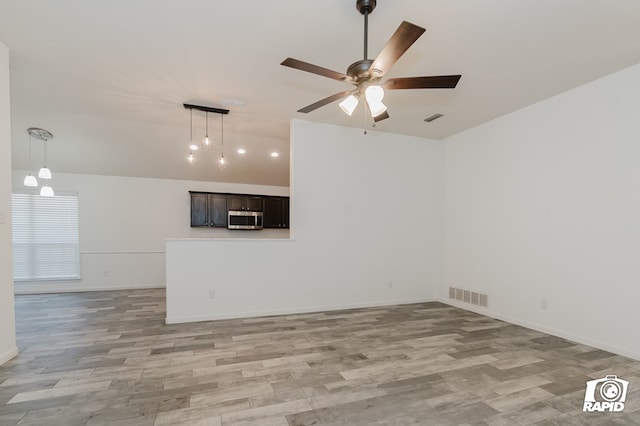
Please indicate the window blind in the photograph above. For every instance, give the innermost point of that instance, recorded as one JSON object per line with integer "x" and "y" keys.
{"x": 45, "y": 237}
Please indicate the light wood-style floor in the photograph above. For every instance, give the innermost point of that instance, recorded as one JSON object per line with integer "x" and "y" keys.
{"x": 108, "y": 358}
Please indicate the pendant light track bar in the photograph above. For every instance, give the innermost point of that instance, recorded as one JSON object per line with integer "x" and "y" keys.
{"x": 206, "y": 109}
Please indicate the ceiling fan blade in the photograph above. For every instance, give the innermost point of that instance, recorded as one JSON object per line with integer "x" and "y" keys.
{"x": 325, "y": 101}
{"x": 406, "y": 34}
{"x": 315, "y": 69}
{"x": 433, "y": 82}
{"x": 381, "y": 117}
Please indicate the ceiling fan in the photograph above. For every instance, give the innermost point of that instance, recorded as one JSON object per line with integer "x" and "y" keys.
{"x": 367, "y": 73}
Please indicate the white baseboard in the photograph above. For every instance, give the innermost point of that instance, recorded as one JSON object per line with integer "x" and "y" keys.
{"x": 65, "y": 289}
{"x": 552, "y": 331}
{"x": 292, "y": 311}
{"x": 4, "y": 357}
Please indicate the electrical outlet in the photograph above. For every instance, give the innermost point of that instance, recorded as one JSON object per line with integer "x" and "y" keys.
{"x": 543, "y": 304}
{"x": 212, "y": 294}
{"x": 390, "y": 284}
{"x": 106, "y": 274}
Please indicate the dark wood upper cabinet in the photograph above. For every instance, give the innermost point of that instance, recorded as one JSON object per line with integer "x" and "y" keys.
{"x": 251, "y": 203}
{"x": 208, "y": 209}
{"x": 276, "y": 212}
{"x": 211, "y": 209}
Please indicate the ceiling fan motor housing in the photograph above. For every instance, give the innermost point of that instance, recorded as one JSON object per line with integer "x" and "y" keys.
{"x": 365, "y": 6}
{"x": 360, "y": 70}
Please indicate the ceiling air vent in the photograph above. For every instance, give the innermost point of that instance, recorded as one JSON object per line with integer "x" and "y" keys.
{"x": 433, "y": 117}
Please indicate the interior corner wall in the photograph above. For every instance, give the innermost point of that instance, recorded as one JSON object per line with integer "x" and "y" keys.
{"x": 367, "y": 231}
{"x": 123, "y": 222}
{"x": 542, "y": 214}
{"x": 8, "y": 347}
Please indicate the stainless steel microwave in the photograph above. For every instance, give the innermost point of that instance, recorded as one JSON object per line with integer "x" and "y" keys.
{"x": 240, "y": 219}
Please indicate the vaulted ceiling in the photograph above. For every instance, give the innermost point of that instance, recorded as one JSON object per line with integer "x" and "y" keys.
{"x": 108, "y": 79}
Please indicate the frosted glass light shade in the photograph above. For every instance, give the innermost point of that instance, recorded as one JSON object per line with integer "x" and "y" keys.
{"x": 377, "y": 108}
{"x": 30, "y": 180}
{"x": 46, "y": 191}
{"x": 374, "y": 94}
{"x": 44, "y": 173}
{"x": 349, "y": 104}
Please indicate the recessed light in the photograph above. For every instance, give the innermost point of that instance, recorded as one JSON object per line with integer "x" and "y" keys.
{"x": 241, "y": 151}
{"x": 193, "y": 147}
{"x": 275, "y": 154}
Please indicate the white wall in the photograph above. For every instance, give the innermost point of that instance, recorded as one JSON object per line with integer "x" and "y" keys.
{"x": 8, "y": 347}
{"x": 123, "y": 222}
{"x": 368, "y": 223}
{"x": 543, "y": 205}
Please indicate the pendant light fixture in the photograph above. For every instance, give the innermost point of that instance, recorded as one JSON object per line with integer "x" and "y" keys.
{"x": 191, "y": 158}
{"x": 206, "y": 143}
{"x": 46, "y": 191}
{"x": 43, "y": 135}
{"x": 222, "y": 163}
{"x": 30, "y": 180}
{"x": 44, "y": 173}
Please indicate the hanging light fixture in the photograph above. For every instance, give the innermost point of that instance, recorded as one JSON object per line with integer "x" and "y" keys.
{"x": 43, "y": 135}
{"x": 44, "y": 173}
{"x": 206, "y": 143}
{"x": 222, "y": 163}
{"x": 30, "y": 180}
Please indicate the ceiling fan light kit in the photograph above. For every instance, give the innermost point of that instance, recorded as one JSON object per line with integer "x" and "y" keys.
{"x": 366, "y": 74}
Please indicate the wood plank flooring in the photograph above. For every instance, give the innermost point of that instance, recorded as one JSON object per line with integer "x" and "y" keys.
{"x": 107, "y": 358}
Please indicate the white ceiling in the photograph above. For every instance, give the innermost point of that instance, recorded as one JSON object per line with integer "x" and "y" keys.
{"x": 108, "y": 79}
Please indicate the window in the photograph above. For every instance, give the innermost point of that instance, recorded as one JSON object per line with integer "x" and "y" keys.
{"x": 45, "y": 237}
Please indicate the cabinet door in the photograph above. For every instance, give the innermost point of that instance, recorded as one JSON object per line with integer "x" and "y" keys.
{"x": 199, "y": 215}
{"x": 272, "y": 212}
{"x": 235, "y": 202}
{"x": 218, "y": 210}
{"x": 276, "y": 212}
{"x": 254, "y": 203}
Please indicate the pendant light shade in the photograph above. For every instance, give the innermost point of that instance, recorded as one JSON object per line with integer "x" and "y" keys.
{"x": 222, "y": 163}
{"x": 206, "y": 143}
{"x": 30, "y": 180}
{"x": 44, "y": 173}
{"x": 46, "y": 191}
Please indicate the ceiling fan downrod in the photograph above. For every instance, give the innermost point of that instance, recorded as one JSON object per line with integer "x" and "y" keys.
{"x": 365, "y": 7}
